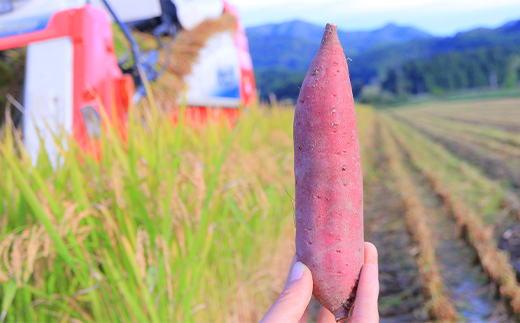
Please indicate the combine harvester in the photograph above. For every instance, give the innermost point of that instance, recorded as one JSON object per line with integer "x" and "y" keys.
{"x": 72, "y": 70}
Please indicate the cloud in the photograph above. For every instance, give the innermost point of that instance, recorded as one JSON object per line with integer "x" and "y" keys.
{"x": 440, "y": 17}
{"x": 249, "y": 5}
{"x": 367, "y": 6}
{"x": 372, "y": 6}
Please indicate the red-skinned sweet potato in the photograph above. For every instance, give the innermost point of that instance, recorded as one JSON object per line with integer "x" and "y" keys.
{"x": 329, "y": 183}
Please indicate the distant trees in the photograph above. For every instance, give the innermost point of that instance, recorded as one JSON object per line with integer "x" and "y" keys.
{"x": 513, "y": 74}
{"x": 484, "y": 67}
{"x": 392, "y": 71}
{"x": 283, "y": 83}
{"x": 455, "y": 71}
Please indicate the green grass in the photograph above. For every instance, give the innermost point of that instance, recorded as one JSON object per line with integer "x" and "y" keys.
{"x": 175, "y": 223}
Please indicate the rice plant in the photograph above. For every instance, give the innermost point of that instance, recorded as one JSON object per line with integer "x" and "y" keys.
{"x": 169, "y": 223}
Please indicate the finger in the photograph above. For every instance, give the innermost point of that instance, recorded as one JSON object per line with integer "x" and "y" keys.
{"x": 325, "y": 316}
{"x": 293, "y": 262}
{"x": 365, "y": 309}
{"x": 303, "y": 319}
{"x": 290, "y": 306}
{"x": 371, "y": 257}
{"x": 371, "y": 254}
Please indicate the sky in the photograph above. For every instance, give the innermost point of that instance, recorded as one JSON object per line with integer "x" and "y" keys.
{"x": 438, "y": 17}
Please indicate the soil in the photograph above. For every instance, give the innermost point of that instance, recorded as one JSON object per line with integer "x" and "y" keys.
{"x": 400, "y": 287}
{"x": 465, "y": 283}
{"x": 401, "y": 298}
{"x": 510, "y": 242}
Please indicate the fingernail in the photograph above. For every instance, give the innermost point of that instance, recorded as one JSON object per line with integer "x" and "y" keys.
{"x": 297, "y": 271}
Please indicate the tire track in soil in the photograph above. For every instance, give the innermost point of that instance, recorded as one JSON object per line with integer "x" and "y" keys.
{"x": 400, "y": 298}
{"x": 464, "y": 280}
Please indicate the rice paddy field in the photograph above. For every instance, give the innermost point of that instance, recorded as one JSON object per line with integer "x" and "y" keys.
{"x": 183, "y": 223}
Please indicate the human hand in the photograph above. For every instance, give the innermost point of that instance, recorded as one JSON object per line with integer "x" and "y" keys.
{"x": 292, "y": 304}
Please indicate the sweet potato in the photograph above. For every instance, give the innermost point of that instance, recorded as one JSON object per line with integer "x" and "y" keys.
{"x": 329, "y": 183}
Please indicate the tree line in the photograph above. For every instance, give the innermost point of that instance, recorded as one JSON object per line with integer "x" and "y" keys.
{"x": 458, "y": 70}
{"x": 495, "y": 67}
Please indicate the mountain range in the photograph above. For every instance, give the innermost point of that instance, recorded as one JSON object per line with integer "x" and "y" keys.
{"x": 293, "y": 44}
{"x": 286, "y": 49}
{"x": 377, "y": 59}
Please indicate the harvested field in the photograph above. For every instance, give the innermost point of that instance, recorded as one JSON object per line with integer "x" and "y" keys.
{"x": 455, "y": 168}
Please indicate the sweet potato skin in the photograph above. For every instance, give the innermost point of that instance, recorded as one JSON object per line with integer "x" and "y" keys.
{"x": 328, "y": 178}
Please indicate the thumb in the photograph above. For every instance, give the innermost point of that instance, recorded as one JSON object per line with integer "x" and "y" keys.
{"x": 290, "y": 306}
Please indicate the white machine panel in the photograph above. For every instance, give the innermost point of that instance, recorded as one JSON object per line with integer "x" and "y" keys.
{"x": 48, "y": 95}
{"x": 191, "y": 13}
{"x": 215, "y": 79}
{"x": 132, "y": 10}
